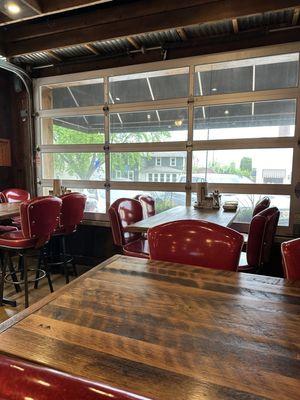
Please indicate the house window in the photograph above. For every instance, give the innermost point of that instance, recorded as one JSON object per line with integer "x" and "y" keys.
{"x": 172, "y": 162}
{"x": 174, "y": 177}
{"x": 158, "y": 161}
{"x": 150, "y": 177}
{"x": 155, "y": 177}
{"x": 168, "y": 177}
{"x": 131, "y": 175}
{"x": 162, "y": 177}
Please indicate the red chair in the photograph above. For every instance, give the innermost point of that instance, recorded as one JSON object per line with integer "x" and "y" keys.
{"x": 261, "y": 205}
{"x": 195, "y": 242}
{"x": 148, "y": 204}
{"x": 122, "y": 213}
{"x": 291, "y": 259}
{"x": 260, "y": 240}
{"x": 14, "y": 196}
{"x": 72, "y": 212}
{"x": 21, "y": 380}
{"x": 39, "y": 218}
{"x": 6, "y": 228}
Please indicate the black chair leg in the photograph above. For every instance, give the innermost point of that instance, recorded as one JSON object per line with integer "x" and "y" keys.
{"x": 37, "y": 274}
{"x": 74, "y": 267}
{"x": 3, "y": 272}
{"x": 25, "y": 280}
{"x": 21, "y": 267}
{"x": 13, "y": 274}
{"x": 65, "y": 260}
{"x": 46, "y": 268}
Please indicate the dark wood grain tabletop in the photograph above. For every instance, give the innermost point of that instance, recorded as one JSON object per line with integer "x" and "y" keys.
{"x": 219, "y": 217}
{"x": 8, "y": 210}
{"x": 168, "y": 331}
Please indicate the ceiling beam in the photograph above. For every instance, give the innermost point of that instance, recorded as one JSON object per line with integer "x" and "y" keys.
{"x": 188, "y": 48}
{"x": 235, "y": 25}
{"x": 34, "y": 5}
{"x": 91, "y": 48}
{"x": 124, "y": 20}
{"x": 4, "y": 18}
{"x": 62, "y": 5}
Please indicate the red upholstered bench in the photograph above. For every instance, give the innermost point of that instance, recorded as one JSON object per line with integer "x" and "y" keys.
{"x": 21, "y": 380}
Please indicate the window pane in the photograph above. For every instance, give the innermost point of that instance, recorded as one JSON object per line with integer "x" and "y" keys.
{"x": 261, "y": 73}
{"x": 163, "y": 200}
{"x": 243, "y": 166}
{"x": 247, "y": 203}
{"x": 149, "y": 86}
{"x": 95, "y": 198}
{"x": 146, "y": 168}
{"x": 245, "y": 120}
{"x": 78, "y": 166}
{"x": 73, "y": 95}
{"x": 96, "y": 201}
{"x": 149, "y": 126}
{"x": 85, "y": 129}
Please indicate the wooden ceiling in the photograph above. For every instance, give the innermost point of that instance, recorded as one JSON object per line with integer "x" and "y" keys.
{"x": 59, "y": 24}
{"x": 29, "y": 9}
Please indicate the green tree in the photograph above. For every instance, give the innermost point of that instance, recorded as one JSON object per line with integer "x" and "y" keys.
{"x": 86, "y": 165}
{"x": 246, "y": 164}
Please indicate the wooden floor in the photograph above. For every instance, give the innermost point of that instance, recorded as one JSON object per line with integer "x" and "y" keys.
{"x": 34, "y": 295}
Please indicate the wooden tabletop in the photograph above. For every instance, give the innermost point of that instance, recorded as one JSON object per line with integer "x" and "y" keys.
{"x": 183, "y": 212}
{"x": 8, "y": 210}
{"x": 168, "y": 331}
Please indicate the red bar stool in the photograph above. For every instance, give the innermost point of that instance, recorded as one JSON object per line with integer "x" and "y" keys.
{"x": 260, "y": 240}
{"x": 15, "y": 195}
{"x": 39, "y": 218}
{"x": 291, "y": 259}
{"x": 72, "y": 211}
{"x": 261, "y": 205}
{"x": 122, "y": 213}
{"x": 193, "y": 242}
{"x": 148, "y": 204}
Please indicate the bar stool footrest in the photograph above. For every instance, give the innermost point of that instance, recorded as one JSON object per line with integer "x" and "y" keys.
{"x": 7, "y": 280}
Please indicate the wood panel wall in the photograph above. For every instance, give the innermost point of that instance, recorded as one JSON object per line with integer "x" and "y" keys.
{"x": 13, "y": 99}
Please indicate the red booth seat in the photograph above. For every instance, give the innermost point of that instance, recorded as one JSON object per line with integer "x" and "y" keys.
{"x": 21, "y": 380}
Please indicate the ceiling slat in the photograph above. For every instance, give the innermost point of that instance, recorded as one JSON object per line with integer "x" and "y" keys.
{"x": 137, "y": 22}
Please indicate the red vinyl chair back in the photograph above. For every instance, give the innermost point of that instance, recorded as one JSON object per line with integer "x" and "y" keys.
{"x": 21, "y": 380}
{"x": 39, "y": 218}
{"x": 291, "y": 259}
{"x": 261, "y": 236}
{"x": 72, "y": 211}
{"x": 16, "y": 195}
{"x": 122, "y": 213}
{"x": 195, "y": 242}
{"x": 261, "y": 205}
{"x": 148, "y": 204}
{"x": 3, "y": 198}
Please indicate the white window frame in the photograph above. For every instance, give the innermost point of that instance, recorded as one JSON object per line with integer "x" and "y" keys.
{"x": 158, "y": 161}
{"x": 130, "y": 175}
{"x": 190, "y": 102}
{"x": 173, "y": 162}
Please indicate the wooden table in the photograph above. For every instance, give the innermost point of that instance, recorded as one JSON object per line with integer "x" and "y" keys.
{"x": 9, "y": 210}
{"x": 183, "y": 212}
{"x": 168, "y": 331}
